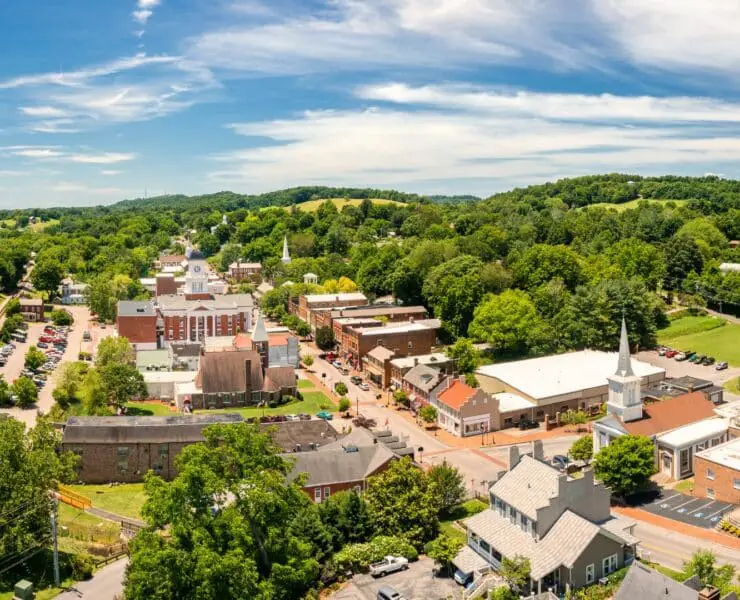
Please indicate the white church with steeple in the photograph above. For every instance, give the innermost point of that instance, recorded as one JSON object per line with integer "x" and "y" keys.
{"x": 286, "y": 255}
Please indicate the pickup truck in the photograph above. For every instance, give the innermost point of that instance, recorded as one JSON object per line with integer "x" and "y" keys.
{"x": 390, "y": 564}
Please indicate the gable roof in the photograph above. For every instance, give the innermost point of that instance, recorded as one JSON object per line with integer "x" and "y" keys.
{"x": 648, "y": 584}
{"x": 529, "y": 486}
{"x": 225, "y": 371}
{"x": 338, "y": 465}
{"x": 277, "y": 378}
{"x": 423, "y": 377}
{"x": 288, "y": 434}
{"x": 456, "y": 394}
{"x": 671, "y": 413}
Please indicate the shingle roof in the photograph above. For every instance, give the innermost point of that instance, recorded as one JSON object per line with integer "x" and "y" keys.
{"x": 671, "y": 413}
{"x": 423, "y": 377}
{"x": 287, "y": 434}
{"x": 277, "y": 378}
{"x": 337, "y": 465}
{"x": 226, "y": 371}
{"x": 457, "y": 394}
{"x": 647, "y": 584}
{"x": 528, "y": 486}
{"x": 149, "y": 430}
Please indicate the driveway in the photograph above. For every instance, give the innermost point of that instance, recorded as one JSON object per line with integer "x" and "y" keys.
{"x": 699, "y": 512}
{"x": 417, "y": 583}
{"x": 105, "y": 585}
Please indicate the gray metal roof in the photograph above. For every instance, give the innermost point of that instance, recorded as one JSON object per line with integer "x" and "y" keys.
{"x": 469, "y": 561}
{"x": 337, "y": 465}
{"x": 133, "y": 430}
{"x": 135, "y": 308}
{"x": 153, "y": 358}
{"x": 230, "y": 301}
{"x": 289, "y": 434}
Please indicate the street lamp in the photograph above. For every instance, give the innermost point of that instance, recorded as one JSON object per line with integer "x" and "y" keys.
{"x": 420, "y": 449}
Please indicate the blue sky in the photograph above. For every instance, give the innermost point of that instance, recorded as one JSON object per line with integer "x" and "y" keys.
{"x": 101, "y": 101}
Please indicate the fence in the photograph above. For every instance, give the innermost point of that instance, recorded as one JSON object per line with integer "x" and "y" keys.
{"x": 69, "y": 496}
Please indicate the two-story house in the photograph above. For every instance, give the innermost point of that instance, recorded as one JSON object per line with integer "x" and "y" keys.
{"x": 562, "y": 525}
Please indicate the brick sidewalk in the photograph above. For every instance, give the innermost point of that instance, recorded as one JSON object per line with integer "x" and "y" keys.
{"x": 709, "y": 535}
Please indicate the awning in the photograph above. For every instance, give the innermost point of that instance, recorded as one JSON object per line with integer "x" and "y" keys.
{"x": 469, "y": 561}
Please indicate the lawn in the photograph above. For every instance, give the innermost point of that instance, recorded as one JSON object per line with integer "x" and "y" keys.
{"x": 305, "y": 384}
{"x": 685, "y": 486}
{"x": 79, "y": 525}
{"x": 125, "y": 499}
{"x": 705, "y": 335}
{"x": 463, "y": 511}
{"x": 733, "y": 386}
{"x": 633, "y": 204}
{"x": 313, "y": 205}
{"x": 149, "y": 409}
{"x": 312, "y": 403}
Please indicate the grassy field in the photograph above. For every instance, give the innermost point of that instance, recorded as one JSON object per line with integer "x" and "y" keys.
{"x": 313, "y": 205}
{"x": 733, "y": 385}
{"x": 149, "y": 409}
{"x": 305, "y": 384}
{"x": 463, "y": 511}
{"x": 125, "y": 499}
{"x": 633, "y": 204}
{"x": 44, "y": 225}
{"x": 79, "y": 525}
{"x": 706, "y": 335}
{"x": 312, "y": 403}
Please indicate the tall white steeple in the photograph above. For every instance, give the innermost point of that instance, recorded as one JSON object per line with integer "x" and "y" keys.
{"x": 286, "y": 255}
{"x": 624, "y": 386}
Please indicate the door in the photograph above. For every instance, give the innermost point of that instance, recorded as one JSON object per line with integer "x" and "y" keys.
{"x": 590, "y": 573}
{"x": 667, "y": 464}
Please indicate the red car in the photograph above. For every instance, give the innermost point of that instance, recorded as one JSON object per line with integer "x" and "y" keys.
{"x": 671, "y": 353}
{"x": 45, "y": 338}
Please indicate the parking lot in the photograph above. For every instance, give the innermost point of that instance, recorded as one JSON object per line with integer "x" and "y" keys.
{"x": 417, "y": 583}
{"x": 700, "y": 512}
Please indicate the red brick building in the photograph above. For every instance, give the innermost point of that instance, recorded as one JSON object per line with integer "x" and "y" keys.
{"x": 170, "y": 260}
{"x": 166, "y": 283}
{"x": 404, "y": 339}
{"x": 717, "y": 472}
{"x": 314, "y": 302}
{"x": 186, "y": 319}
{"x": 137, "y": 321}
{"x": 32, "y": 309}
{"x": 239, "y": 271}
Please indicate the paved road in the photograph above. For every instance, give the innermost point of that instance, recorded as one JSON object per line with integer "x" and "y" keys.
{"x": 14, "y": 366}
{"x": 105, "y": 585}
{"x": 671, "y": 549}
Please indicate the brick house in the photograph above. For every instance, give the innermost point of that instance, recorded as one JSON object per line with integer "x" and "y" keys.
{"x": 717, "y": 472}
{"x": 167, "y": 283}
{"x": 239, "y": 271}
{"x": 124, "y": 449}
{"x": 376, "y": 365}
{"x": 404, "y": 339}
{"x": 342, "y": 465}
{"x": 436, "y": 360}
{"x": 137, "y": 321}
{"x": 464, "y": 410}
{"x": 32, "y": 309}
{"x": 312, "y": 302}
{"x": 382, "y": 313}
{"x": 419, "y": 382}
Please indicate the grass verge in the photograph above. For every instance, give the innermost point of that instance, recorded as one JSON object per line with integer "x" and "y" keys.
{"x": 312, "y": 403}
{"x": 305, "y": 384}
{"x": 149, "y": 409}
{"x": 125, "y": 499}
{"x": 462, "y": 511}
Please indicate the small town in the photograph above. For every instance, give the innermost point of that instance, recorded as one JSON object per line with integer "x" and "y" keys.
{"x": 370, "y": 300}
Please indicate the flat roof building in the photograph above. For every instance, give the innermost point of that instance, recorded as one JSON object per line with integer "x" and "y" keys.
{"x": 717, "y": 472}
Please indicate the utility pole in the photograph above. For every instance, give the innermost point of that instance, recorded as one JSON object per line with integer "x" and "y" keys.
{"x": 54, "y": 504}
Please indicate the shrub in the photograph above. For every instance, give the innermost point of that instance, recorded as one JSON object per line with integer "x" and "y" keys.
{"x": 82, "y": 566}
{"x": 272, "y": 404}
{"x": 61, "y": 317}
{"x": 344, "y": 405}
{"x": 358, "y": 557}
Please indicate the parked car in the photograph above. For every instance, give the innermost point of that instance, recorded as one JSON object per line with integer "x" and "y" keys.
{"x": 337, "y": 364}
{"x": 292, "y": 417}
{"x": 42, "y": 345}
{"x": 662, "y": 350}
{"x": 86, "y": 336}
{"x": 528, "y": 424}
{"x": 364, "y": 387}
{"x": 356, "y": 380}
{"x": 463, "y": 578}
{"x": 680, "y": 357}
{"x": 709, "y": 360}
{"x": 671, "y": 353}
{"x": 326, "y": 415}
{"x": 386, "y": 592}
{"x": 698, "y": 358}
{"x": 721, "y": 366}
{"x": 390, "y": 564}
{"x": 560, "y": 461}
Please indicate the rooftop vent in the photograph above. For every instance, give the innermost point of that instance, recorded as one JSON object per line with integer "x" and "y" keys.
{"x": 351, "y": 448}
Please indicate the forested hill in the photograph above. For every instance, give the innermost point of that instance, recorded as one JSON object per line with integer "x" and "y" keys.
{"x": 618, "y": 188}
{"x": 228, "y": 201}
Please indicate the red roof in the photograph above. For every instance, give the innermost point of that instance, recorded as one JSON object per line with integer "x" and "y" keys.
{"x": 671, "y": 413}
{"x": 457, "y": 394}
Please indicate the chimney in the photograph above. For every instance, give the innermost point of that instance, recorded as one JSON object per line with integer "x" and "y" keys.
{"x": 538, "y": 452}
{"x": 513, "y": 457}
{"x": 709, "y": 593}
{"x": 248, "y": 377}
{"x": 416, "y": 361}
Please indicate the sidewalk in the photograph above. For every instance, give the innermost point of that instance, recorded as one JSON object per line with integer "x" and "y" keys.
{"x": 709, "y": 535}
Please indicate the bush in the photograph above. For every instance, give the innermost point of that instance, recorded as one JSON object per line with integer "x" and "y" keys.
{"x": 61, "y": 318}
{"x": 272, "y": 404}
{"x": 344, "y": 405}
{"x": 358, "y": 557}
{"x": 82, "y": 566}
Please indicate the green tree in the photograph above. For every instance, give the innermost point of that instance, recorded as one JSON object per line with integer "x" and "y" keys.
{"x": 443, "y": 549}
{"x": 402, "y": 398}
{"x": 325, "y": 338}
{"x": 4, "y": 391}
{"x": 47, "y": 275}
{"x": 101, "y": 297}
{"x": 582, "y": 449}
{"x": 307, "y": 361}
{"x": 34, "y": 358}
{"x": 626, "y": 464}
{"x": 208, "y": 244}
{"x": 466, "y": 357}
{"x": 302, "y": 329}
{"x": 30, "y": 466}
{"x": 346, "y": 516}
{"x": 503, "y": 592}
{"x": 510, "y": 323}
{"x": 69, "y": 382}
{"x": 703, "y": 564}
{"x": 93, "y": 394}
{"x": 516, "y": 571}
{"x": 61, "y": 317}
{"x": 400, "y": 503}
{"x": 542, "y": 263}
{"x": 454, "y": 289}
{"x": 682, "y": 256}
{"x": 12, "y": 307}
{"x": 25, "y": 392}
{"x": 122, "y": 382}
{"x": 344, "y": 404}
{"x": 114, "y": 351}
{"x": 231, "y": 516}
{"x": 341, "y": 388}
{"x": 447, "y": 487}
{"x": 428, "y": 414}
{"x": 636, "y": 258}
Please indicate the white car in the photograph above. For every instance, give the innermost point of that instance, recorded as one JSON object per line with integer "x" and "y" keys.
{"x": 292, "y": 417}
{"x": 337, "y": 364}
{"x": 364, "y": 387}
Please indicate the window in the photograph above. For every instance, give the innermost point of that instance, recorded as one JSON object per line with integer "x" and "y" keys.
{"x": 609, "y": 565}
{"x": 710, "y": 474}
{"x": 317, "y": 494}
{"x": 327, "y": 491}
{"x": 484, "y": 546}
{"x": 736, "y": 484}
{"x": 590, "y": 573}
{"x": 357, "y": 489}
{"x": 710, "y": 493}
{"x": 122, "y": 464}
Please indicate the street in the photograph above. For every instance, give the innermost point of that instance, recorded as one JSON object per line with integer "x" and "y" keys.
{"x": 106, "y": 584}
{"x": 14, "y": 366}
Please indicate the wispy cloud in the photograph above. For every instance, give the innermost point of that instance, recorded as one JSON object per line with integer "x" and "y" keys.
{"x": 442, "y": 139}
{"x": 109, "y": 172}
{"x": 76, "y": 186}
{"x": 142, "y": 14}
{"x": 106, "y": 158}
{"x": 69, "y": 155}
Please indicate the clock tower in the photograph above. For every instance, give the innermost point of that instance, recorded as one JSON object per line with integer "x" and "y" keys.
{"x": 196, "y": 279}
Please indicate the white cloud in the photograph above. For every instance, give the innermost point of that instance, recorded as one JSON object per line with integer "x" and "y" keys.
{"x": 105, "y": 158}
{"x": 49, "y": 112}
{"x": 449, "y": 140}
{"x": 148, "y": 3}
{"x": 63, "y": 154}
{"x": 38, "y": 153}
{"x": 109, "y": 172}
{"x": 76, "y": 186}
{"x": 141, "y": 16}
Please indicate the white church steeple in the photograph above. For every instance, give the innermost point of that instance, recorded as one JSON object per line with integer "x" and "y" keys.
{"x": 286, "y": 255}
{"x": 624, "y": 386}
